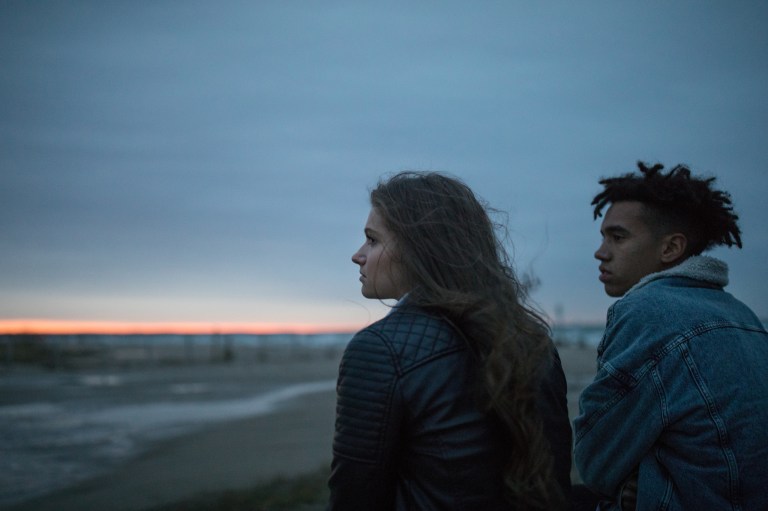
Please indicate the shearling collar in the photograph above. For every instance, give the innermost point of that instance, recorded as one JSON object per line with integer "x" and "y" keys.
{"x": 703, "y": 268}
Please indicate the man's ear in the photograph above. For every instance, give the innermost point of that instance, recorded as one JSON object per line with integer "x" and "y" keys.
{"x": 673, "y": 248}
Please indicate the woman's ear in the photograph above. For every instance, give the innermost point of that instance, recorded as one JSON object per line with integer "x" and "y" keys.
{"x": 673, "y": 248}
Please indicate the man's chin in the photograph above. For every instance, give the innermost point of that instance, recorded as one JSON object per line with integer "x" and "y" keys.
{"x": 614, "y": 292}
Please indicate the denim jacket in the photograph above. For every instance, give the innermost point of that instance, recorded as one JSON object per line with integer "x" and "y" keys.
{"x": 680, "y": 397}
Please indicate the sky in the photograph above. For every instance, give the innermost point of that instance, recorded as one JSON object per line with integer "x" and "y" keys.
{"x": 207, "y": 164}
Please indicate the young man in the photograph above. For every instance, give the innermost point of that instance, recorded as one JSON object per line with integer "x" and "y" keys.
{"x": 677, "y": 416}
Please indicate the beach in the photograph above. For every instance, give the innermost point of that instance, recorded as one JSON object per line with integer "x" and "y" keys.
{"x": 290, "y": 436}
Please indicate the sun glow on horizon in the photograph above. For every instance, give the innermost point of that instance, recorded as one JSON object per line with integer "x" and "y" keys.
{"x": 72, "y": 327}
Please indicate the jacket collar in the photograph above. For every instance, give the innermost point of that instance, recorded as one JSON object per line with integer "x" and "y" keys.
{"x": 702, "y": 268}
{"x": 400, "y": 303}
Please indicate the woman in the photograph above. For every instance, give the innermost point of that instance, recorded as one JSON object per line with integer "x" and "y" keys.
{"x": 456, "y": 399}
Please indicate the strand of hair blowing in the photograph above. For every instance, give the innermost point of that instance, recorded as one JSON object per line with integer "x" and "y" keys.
{"x": 456, "y": 265}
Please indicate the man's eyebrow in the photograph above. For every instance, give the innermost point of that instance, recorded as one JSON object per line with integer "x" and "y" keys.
{"x": 615, "y": 229}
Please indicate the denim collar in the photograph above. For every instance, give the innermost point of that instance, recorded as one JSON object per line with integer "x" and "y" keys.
{"x": 703, "y": 268}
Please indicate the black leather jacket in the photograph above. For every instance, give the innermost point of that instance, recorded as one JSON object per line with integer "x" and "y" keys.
{"x": 409, "y": 435}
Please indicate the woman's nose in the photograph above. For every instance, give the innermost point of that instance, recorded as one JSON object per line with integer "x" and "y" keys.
{"x": 358, "y": 258}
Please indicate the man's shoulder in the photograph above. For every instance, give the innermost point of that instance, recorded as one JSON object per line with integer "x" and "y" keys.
{"x": 667, "y": 311}
{"x": 677, "y": 302}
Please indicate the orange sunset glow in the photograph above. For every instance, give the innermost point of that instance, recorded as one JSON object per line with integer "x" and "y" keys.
{"x": 63, "y": 327}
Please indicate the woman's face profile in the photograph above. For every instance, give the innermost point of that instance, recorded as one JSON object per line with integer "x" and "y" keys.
{"x": 380, "y": 272}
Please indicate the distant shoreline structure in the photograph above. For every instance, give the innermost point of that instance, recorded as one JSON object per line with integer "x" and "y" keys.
{"x": 92, "y": 350}
{"x": 563, "y": 333}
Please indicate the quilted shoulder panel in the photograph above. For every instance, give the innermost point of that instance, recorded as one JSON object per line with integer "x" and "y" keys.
{"x": 416, "y": 337}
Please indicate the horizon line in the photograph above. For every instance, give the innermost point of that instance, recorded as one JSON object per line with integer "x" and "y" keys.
{"x": 30, "y": 326}
{"x": 85, "y": 327}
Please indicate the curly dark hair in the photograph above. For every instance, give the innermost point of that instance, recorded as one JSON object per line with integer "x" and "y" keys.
{"x": 459, "y": 268}
{"x": 677, "y": 201}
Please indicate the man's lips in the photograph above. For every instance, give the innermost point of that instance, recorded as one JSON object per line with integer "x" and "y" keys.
{"x": 604, "y": 274}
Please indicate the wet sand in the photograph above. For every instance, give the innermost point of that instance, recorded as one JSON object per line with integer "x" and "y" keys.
{"x": 293, "y": 440}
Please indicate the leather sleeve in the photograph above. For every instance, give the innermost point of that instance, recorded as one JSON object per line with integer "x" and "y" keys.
{"x": 368, "y": 426}
{"x": 553, "y": 407}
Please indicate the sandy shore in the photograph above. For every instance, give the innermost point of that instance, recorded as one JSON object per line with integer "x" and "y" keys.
{"x": 293, "y": 440}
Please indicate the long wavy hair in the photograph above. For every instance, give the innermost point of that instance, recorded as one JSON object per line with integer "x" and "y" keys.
{"x": 448, "y": 251}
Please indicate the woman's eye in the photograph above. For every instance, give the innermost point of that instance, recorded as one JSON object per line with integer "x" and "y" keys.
{"x": 370, "y": 240}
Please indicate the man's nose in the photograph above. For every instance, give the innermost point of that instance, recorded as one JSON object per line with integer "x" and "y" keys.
{"x": 601, "y": 253}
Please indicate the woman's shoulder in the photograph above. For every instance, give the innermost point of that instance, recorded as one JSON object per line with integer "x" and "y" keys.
{"x": 413, "y": 333}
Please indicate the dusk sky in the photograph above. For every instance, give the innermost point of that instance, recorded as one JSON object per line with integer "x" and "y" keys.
{"x": 209, "y": 163}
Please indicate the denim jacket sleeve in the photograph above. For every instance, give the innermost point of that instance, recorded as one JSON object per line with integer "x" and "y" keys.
{"x": 621, "y": 411}
{"x": 368, "y": 417}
